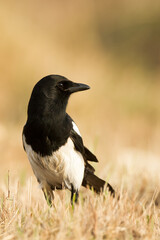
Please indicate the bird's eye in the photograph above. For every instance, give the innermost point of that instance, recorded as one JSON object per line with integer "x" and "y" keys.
{"x": 60, "y": 85}
{"x": 63, "y": 85}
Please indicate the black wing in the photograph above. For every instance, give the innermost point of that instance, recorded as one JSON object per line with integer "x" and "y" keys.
{"x": 78, "y": 143}
{"x": 87, "y": 155}
{"x": 90, "y": 179}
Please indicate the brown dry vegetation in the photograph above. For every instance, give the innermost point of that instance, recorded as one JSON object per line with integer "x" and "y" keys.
{"x": 114, "y": 47}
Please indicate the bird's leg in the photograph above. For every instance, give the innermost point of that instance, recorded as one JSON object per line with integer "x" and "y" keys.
{"x": 48, "y": 193}
{"x": 77, "y": 196}
{"x": 48, "y": 196}
{"x": 74, "y": 195}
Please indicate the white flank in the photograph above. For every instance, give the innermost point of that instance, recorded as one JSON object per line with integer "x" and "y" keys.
{"x": 64, "y": 167}
{"x": 76, "y": 128}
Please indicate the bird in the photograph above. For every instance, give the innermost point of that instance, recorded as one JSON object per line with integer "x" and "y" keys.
{"x": 53, "y": 142}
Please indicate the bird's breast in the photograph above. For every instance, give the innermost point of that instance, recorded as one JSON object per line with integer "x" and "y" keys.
{"x": 64, "y": 167}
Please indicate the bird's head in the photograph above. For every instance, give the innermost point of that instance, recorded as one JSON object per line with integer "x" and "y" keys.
{"x": 52, "y": 91}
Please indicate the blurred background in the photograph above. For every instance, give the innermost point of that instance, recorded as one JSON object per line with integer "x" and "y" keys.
{"x": 113, "y": 46}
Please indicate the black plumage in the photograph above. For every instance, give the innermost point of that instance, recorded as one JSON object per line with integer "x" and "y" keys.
{"x": 51, "y": 138}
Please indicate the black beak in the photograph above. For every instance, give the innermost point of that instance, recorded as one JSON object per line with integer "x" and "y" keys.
{"x": 76, "y": 87}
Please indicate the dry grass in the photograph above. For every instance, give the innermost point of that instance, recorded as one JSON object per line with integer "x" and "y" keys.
{"x": 24, "y": 213}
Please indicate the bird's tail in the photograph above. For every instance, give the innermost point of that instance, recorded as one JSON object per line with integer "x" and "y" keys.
{"x": 97, "y": 184}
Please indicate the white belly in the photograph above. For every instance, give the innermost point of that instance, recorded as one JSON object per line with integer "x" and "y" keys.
{"x": 63, "y": 167}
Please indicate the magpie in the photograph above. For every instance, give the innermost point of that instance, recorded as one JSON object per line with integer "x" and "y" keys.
{"x": 53, "y": 143}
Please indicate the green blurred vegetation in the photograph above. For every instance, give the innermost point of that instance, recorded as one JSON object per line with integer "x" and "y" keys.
{"x": 114, "y": 46}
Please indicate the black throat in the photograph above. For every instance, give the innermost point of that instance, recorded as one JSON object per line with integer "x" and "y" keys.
{"x": 48, "y": 125}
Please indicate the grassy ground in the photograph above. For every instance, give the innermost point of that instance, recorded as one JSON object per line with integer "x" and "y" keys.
{"x": 24, "y": 213}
